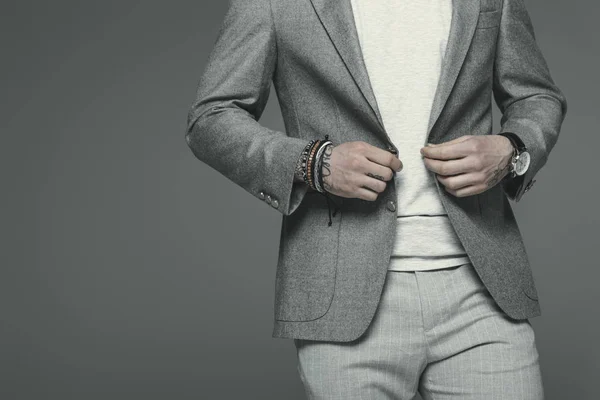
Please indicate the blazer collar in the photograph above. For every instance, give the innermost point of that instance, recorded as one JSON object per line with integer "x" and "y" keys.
{"x": 338, "y": 19}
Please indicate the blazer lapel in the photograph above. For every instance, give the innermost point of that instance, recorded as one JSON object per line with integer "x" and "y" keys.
{"x": 465, "y": 15}
{"x": 338, "y": 19}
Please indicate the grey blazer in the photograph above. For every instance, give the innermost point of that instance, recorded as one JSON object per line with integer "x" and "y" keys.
{"x": 329, "y": 278}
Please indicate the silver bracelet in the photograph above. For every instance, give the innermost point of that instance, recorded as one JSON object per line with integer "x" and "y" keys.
{"x": 318, "y": 164}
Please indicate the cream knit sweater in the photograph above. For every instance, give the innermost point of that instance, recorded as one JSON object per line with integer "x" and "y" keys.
{"x": 403, "y": 43}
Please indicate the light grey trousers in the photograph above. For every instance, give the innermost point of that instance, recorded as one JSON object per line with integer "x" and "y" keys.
{"x": 438, "y": 332}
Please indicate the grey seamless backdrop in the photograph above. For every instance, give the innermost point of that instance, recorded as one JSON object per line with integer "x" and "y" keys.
{"x": 131, "y": 270}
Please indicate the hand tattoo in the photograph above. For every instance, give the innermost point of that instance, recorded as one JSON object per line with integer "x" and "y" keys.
{"x": 375, "y": 176}
{"x": 497, "y": 175}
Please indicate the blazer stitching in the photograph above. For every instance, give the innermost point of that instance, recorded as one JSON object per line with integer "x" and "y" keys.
{"x": 335, "y": 271}
{"x": 266, "y": 76}
{"x": 281, "y": 56}
{"x": 273, "y": 28}
{"x": 296, "y": 119}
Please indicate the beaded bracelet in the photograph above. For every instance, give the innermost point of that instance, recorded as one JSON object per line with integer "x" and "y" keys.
{"x": 312, "y": 170}
{"x": 301, "y": 166}
{"x": 309, "y": 164}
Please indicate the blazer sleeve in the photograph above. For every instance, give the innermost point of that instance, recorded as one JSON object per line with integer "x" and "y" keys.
{"x": 532, "y": 105}
{"x": 222, "y": 125}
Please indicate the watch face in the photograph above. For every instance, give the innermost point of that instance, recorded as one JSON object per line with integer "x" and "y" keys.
{"x": 522, "y": 163}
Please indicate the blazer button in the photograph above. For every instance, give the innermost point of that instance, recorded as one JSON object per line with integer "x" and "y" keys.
{"x": 268, "y": 199}
{"x": 275, "y": 203}
{"x": 391, "y": 205}
{"x": 261, "y": 195}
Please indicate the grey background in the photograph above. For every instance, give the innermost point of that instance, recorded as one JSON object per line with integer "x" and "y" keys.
{"x": 131, "y": 270}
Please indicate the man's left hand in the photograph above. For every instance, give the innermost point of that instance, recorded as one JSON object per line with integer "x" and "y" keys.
{"x": 470, "y": 164}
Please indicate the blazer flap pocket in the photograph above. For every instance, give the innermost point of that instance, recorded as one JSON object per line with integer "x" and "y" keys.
{"x": 307, "y": 264}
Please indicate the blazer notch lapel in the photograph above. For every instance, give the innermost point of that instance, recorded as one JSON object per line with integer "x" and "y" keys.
{"x": 338, "y": 20}
{"x": 465, "y": 14}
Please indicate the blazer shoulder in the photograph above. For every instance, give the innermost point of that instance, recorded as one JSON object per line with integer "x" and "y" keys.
{"x": 251, "y": 7}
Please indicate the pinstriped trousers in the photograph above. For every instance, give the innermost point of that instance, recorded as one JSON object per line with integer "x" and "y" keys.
{"x": 436, "y": 332}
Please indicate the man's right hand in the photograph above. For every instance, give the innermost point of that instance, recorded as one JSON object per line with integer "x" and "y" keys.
{"x": 358, "y": 170}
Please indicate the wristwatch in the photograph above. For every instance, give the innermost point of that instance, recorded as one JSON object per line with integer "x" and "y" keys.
{"x": 521, "y": 158}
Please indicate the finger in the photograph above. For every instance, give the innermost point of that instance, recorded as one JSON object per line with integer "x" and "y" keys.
{"x": 453, "y": 141}
{"x": 448, "y": 151}
{"x": 380, "y": 172}
{"x": 450, "y": 167}
{"x": 383, "y": 157}
{"x": 366, "y": 194}
{"x": 457, "y": 182}
{"x": 371, "y": 183}
{"x": 466, "y": 191}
